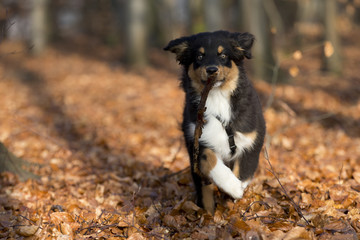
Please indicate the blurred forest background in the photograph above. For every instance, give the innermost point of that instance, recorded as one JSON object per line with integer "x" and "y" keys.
{"x": 136, "y": 28}
{"x": 91, "y": 102}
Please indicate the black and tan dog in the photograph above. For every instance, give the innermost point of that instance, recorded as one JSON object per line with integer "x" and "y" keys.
{"x": 234, "y": 128}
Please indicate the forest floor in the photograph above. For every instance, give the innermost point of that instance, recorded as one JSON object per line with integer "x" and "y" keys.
{"x": 107, "y": 147}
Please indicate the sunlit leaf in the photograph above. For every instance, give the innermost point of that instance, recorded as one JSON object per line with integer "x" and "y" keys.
{"x": 299, "y": 233}
{"x": 294, "y": 71}
{"x": 328, "y": 49}
{"x": 59, "y": 217}
{"x": 297, "y": 55}
{"x": 27, "y": 231}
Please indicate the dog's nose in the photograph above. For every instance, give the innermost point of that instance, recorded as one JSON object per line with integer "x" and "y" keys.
{"x": 211, "y": 70}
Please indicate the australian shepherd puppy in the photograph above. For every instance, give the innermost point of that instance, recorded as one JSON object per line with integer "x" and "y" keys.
{"x": 234, "y": 128}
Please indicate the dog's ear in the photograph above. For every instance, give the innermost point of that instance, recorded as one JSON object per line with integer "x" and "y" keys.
{"x": 180, "y": 47}
{"x": 243, "y": 43}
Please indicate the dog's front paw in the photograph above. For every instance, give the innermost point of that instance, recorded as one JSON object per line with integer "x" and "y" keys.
{"x": 237, "y": 192}
{"x": 238, "y": 188}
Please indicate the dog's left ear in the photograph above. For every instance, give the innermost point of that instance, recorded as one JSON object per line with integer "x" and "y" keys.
{"x": 243, "y": 43}
{"x": 180, "y": 47}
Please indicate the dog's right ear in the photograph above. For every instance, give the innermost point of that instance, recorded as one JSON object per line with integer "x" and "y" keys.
{"x": 244, "y": 43}
{"x": 180, "y": 47}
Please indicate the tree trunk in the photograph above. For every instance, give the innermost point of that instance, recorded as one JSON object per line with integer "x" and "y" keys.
{"x": 136, "y": 33}
{"x": 309, "y": 16}
{"x": 276, "y": 21}
{"x": 213, "y": 15}
{"x": 40, "y": 26}
{"x": 263, "y": 62}
{"x": 169, "y": 20}
{"x": 197, "y": 16}
{"x": 331, "y": 54}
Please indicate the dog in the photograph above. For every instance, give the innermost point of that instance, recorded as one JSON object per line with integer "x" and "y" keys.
{"x": 234, "y": 129}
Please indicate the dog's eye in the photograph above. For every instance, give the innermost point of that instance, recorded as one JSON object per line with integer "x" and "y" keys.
{"x": 222, "y": 56}
{"x": 199, "y": 57}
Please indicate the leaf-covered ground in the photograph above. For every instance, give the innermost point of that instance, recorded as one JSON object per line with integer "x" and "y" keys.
{"x": 107, "y": 146}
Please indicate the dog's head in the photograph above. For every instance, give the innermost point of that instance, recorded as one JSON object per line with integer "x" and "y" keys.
{"x": 215, "y": 54}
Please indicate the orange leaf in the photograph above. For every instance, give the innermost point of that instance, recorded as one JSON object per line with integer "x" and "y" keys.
{"x": 328, "y": 49}
{"x": 299, "y": 233}
{"x": 170, "y": 221}
{"x": 59, "y": 217}
{"x": 240, "y": 224}
{"x": 297, "y": 55}
{"x": 189, "y": 207}
{"x": 27, "y": 231}
{"x": 294, "y": 71}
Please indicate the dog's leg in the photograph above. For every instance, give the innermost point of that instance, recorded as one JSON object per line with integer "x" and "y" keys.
{"x": 221, "y": 175}
{"x": 204, "y": 192}
{"x": 208, "y": 197}
{"x": 248, "y": 164}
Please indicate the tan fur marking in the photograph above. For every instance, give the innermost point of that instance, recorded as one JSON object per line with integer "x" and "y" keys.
{"x": 231, "y": 76}
{"x": 179, "y": 48}
{"x": 208, "y": 198}
{"x": 236, "y": 168}
{"x": 240, "y": 48}
{"x": 220, "y": 49}
{"x": 207, "y": 165}
{"x": 252, "y": 135}
{"x": 202, "y": 50}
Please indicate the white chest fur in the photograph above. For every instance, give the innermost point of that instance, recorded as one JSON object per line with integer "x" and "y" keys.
{"x": 218, "y": 104}
{"x": 213, "y": 133}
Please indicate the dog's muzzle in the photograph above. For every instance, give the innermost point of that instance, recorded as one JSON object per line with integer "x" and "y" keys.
{"x": 212, "y": 70}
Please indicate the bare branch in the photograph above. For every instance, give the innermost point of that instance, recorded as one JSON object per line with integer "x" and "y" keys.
{"x": 201, "y": 121}
{"x": 297, "y": 208}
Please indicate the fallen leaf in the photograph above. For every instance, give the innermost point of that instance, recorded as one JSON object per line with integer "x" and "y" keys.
{"x": 190, "y": 207}
{"x": 338, "y": 193}
{"x": 27, "y": 231}
{"x": 136, "y": 236}
{"x": 252, "y": 235}
{"x": 328, "y": 49}
{"x": 60, "y": 217}
{"x": 239, "y": 224}
{"x": 298, "y": 233}
{"x": 337, "y": 226}
{"x": 294, "y": 71}
{"x": 170, "y": 221}
{"x": 99, "y": 193}
{"x": 66, "y": 229}
{"x": 297, "y": 55}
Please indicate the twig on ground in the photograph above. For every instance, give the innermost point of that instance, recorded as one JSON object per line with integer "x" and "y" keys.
{"x": 255, "y": 216}
{"x": 174, "y": 174}
{"x": 297, "y": 208}
{"x": 251, "y": 204}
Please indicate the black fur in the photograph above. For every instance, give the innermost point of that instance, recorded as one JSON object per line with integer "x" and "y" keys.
{"x": 246, "y": 112}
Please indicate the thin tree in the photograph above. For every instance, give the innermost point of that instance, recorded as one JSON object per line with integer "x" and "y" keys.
{"x": 214, "y": 19}
{"x": 196, "y": 16}
{"x": 256, "y": 19}
{"x": 331, "y": 54}
{"x": 136, "y": 32}
{"x": 40, "y": 27}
